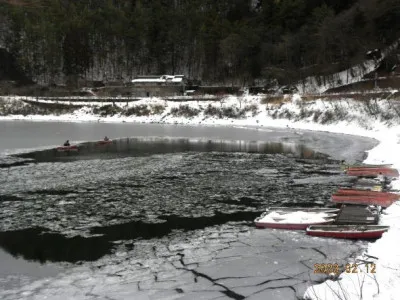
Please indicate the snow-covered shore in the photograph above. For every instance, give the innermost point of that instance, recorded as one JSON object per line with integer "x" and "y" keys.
{"x": 342, "y": 116}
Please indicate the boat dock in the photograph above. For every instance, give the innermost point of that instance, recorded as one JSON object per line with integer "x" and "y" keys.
{"x": 357, "y": 214}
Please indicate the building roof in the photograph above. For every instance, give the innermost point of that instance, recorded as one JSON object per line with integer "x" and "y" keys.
{"x": 159, "y": 79}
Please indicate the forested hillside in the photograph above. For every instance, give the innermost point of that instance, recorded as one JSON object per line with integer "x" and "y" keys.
{"x": 224, "y": 41}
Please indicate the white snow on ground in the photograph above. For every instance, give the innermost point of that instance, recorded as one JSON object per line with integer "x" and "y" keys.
{"x": 356, "y": 121}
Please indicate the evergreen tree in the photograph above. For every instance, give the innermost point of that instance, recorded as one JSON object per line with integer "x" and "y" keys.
{"x": 216, "y": 41}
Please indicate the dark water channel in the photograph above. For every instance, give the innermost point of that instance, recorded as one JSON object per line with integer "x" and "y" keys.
{"x": 74, "y": 206}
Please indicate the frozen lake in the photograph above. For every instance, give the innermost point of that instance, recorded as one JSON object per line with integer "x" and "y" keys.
{"x": 165, "y": 212}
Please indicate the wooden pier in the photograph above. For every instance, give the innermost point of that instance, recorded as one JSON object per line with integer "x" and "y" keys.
{"x": 357, "y": 214}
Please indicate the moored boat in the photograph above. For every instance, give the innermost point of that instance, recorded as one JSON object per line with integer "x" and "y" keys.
{"x": 372, "y": 183}
{"x": 376, "y": 188}
{"x": 282, "y": 209}
{"x": 67, "y": 148}
{"x": 368, "y": 182}
{"x": 370, "y": 166}
{"x": 290, "y": 226}
{"x": 104, "y": 142}
{"x": 373, "y": 172}
{"x": 361, "y": 199}
{"x": 347, "y": 231}
{"x": 293, "y": 220}
{"x": 367, "y": 193}
{"x": 355, "y": 166}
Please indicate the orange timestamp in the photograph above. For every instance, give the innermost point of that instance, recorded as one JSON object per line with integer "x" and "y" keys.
{"x": 348, "y": 268}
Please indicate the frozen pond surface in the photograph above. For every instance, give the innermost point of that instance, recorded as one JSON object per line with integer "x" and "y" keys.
{"x": 163, "y": 218}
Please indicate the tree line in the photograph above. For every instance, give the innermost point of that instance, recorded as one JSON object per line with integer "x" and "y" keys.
{"x": 224, "y": 41}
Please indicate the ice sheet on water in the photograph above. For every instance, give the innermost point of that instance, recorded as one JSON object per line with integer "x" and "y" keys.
{"x": 278, "y": 294}
{"x": 254, "y": 291}
{"x": 320, "y": 180}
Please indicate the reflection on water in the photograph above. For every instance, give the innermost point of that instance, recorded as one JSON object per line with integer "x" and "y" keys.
{"x": 150, "y": 146}
{"x": 16, "y": 271}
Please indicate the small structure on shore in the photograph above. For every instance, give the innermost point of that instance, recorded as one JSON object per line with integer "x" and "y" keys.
{"x": 158, "y": 86}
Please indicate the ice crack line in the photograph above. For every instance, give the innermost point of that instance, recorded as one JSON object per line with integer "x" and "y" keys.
{"x": 278, "y": 287}
{"x": 228, "y": 292}
{"x": 320, "y": 252}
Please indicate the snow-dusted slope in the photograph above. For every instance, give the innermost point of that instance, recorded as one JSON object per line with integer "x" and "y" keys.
{"x": 319, "y": 84}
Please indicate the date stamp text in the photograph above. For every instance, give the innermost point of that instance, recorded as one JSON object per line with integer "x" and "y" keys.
{"x": 348, "y": 268}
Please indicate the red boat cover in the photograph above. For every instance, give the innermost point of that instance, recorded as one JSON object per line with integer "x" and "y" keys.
{"x": 361, "y": 199}
{"x": 367, "y": 193}
{"x": 373, "y": 172}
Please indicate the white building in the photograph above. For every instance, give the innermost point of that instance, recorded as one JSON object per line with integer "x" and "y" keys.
{"x": 165, "y": 85}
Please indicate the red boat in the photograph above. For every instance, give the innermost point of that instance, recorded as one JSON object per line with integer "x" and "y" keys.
{"x": 104, "y": 142}
{"x": 293, "y": 220}
{"x": 67, "y": 148}
{"x": 372, "y": 172}
{"x": 290, "y": 226}
{"x": 347, "y": 231}
{"x": 361, "y": 199}
{"x": 356, "y": 192}
{"x": 291, "y": 209}
{"x": 363, "y": 166}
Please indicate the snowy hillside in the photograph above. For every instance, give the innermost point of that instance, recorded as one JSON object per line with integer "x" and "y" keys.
{"x": 320, "y": 84}
{"x": 365, "y": 110}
